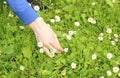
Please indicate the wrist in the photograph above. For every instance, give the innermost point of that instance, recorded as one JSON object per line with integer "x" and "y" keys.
{"x": 36, "y": 24}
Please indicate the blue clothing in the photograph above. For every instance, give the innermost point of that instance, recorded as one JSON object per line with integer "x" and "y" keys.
{"x": 23, "y": 10}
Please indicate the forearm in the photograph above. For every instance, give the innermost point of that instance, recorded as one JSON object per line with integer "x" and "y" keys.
{"x": 23, "y": 10}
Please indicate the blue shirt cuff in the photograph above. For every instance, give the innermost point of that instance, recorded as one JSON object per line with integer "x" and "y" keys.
{"x": 23, "y": 10}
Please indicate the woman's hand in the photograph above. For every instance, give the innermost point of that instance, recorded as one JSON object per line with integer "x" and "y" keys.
{"x": 45, "y": 34}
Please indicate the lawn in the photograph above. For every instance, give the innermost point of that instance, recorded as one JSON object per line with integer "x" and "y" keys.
{"x": 88, "y": 30}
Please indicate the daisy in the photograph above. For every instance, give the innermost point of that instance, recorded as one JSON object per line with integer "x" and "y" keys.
{"x": 77, "y": 23}
{"x": 65, "y": 49}
{"x": 101, "y": 77}
{"x": 40, "y": 44}
{"x": 90, "y": 19}
{"x": 109, "y": 73}
{"x": 57, "y": 18}
{"x": 113, "y": 43}
{"x": 36, "y": 8}
{"x": 10, "y": 15}
{"x": 101, "y": 34}
{"x": 42, "y": 50}
{"x": 71, "y": 32}
{"x": 5, "y": 2}
{"x": 52, "y": 20}
{"x": 22, "y": 68}
{"x": 100, "y": 38}
{"x": 21, "y": 27}
{"x": 94, "y": 56}
{"x": 73, "y": 65}
{"x": 51, "y": 55}
{"x": 115, "y": 69}
{"x": 116, "y": 35}
{"x": 69, "y": 37}
{"x": 109, "y": 55}
{"x": 113, "y": 1}
{"x": 109, "y": 30}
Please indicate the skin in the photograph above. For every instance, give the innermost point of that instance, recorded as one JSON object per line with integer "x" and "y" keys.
{"x": 46, "y": 35}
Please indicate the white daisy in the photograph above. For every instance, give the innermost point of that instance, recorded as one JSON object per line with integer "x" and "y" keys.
{"x": 118, "y": 74}
{"x": 93, "y": 21}
{"x": 42, "y": 50}
{"x": 113, "y": 1}
{"x": 101, "y": 77}
{"x": 116, "y": 40}
{"x": 113, "y": 43}
{"x": 90, "y": 19}
{"x": 21, "y": 27}
{"x": 22, "y": 68}
{"x": 101, "y": 34}
{"x": 5, "y": 2}
{"x": 115, "y": 69}
{"x": 73, "y": 65}
{"x": 10, "y": 15}
{"x": 51, "y": 55}
{"x": 69, "y": 37}
{"x": 109, "y": 55}
{"x": 52, "y": 20}
{"x": 57, "y": 18}
{"x": 65, "y": 49}
{"x": 116, "y": 35}
{"x": 77, "y": 23}
{"x": 100, "y": 38}
{"x": 74, "y": 32}
{"x": 40, "y": 44}
{"x": 93, "y": 3}
{"x": 36, "y": 8}
{"x": 71, "y": 32}
{"x": 94, "y": 56}
{"x": 109, "y": 30}
{"x": 109, "y": 73}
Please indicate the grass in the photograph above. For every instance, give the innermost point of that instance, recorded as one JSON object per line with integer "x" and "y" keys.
{"x": 20, "y": 56}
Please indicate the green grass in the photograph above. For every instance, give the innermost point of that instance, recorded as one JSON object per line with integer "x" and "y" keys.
{"x": 19, "y": 48}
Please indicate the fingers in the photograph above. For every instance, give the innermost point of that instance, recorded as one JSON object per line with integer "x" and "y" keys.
{"x": 47, "y": 51}
{"x": 56, "y": 44}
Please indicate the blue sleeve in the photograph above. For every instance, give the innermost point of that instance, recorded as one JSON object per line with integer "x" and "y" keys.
{"x": 23, "y": 10}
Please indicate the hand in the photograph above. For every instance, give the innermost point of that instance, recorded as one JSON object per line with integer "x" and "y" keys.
{"x": 45, "y": 34}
